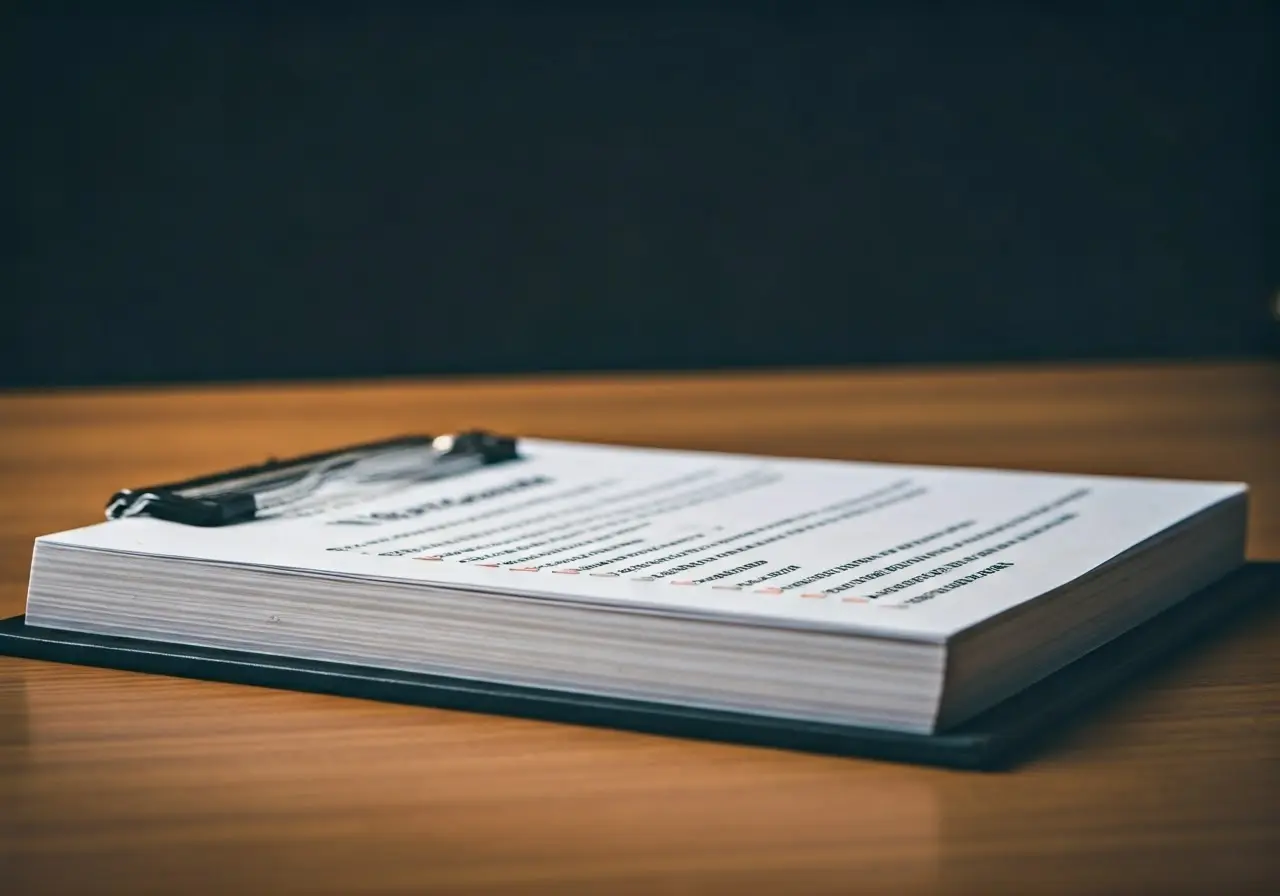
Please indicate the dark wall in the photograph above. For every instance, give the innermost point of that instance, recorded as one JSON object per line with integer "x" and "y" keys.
{"x": 225, "y": 195}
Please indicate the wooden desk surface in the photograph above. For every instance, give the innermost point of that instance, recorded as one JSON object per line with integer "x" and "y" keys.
{"x": 112, "y": 782}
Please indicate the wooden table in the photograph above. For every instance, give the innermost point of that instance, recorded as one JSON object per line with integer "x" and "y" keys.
{"x": 115, "y": 782}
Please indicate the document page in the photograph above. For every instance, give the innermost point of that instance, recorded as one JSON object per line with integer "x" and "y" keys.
{"x": 906, "y": 550}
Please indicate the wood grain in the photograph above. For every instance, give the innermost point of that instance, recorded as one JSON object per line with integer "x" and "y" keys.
{"x": 111, "y": 782}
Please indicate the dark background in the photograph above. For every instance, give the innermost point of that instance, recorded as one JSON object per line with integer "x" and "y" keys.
{"x": 240, "y": 192}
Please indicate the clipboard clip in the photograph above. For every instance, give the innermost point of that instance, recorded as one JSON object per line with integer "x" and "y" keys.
{"x": 243, "y": 494}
